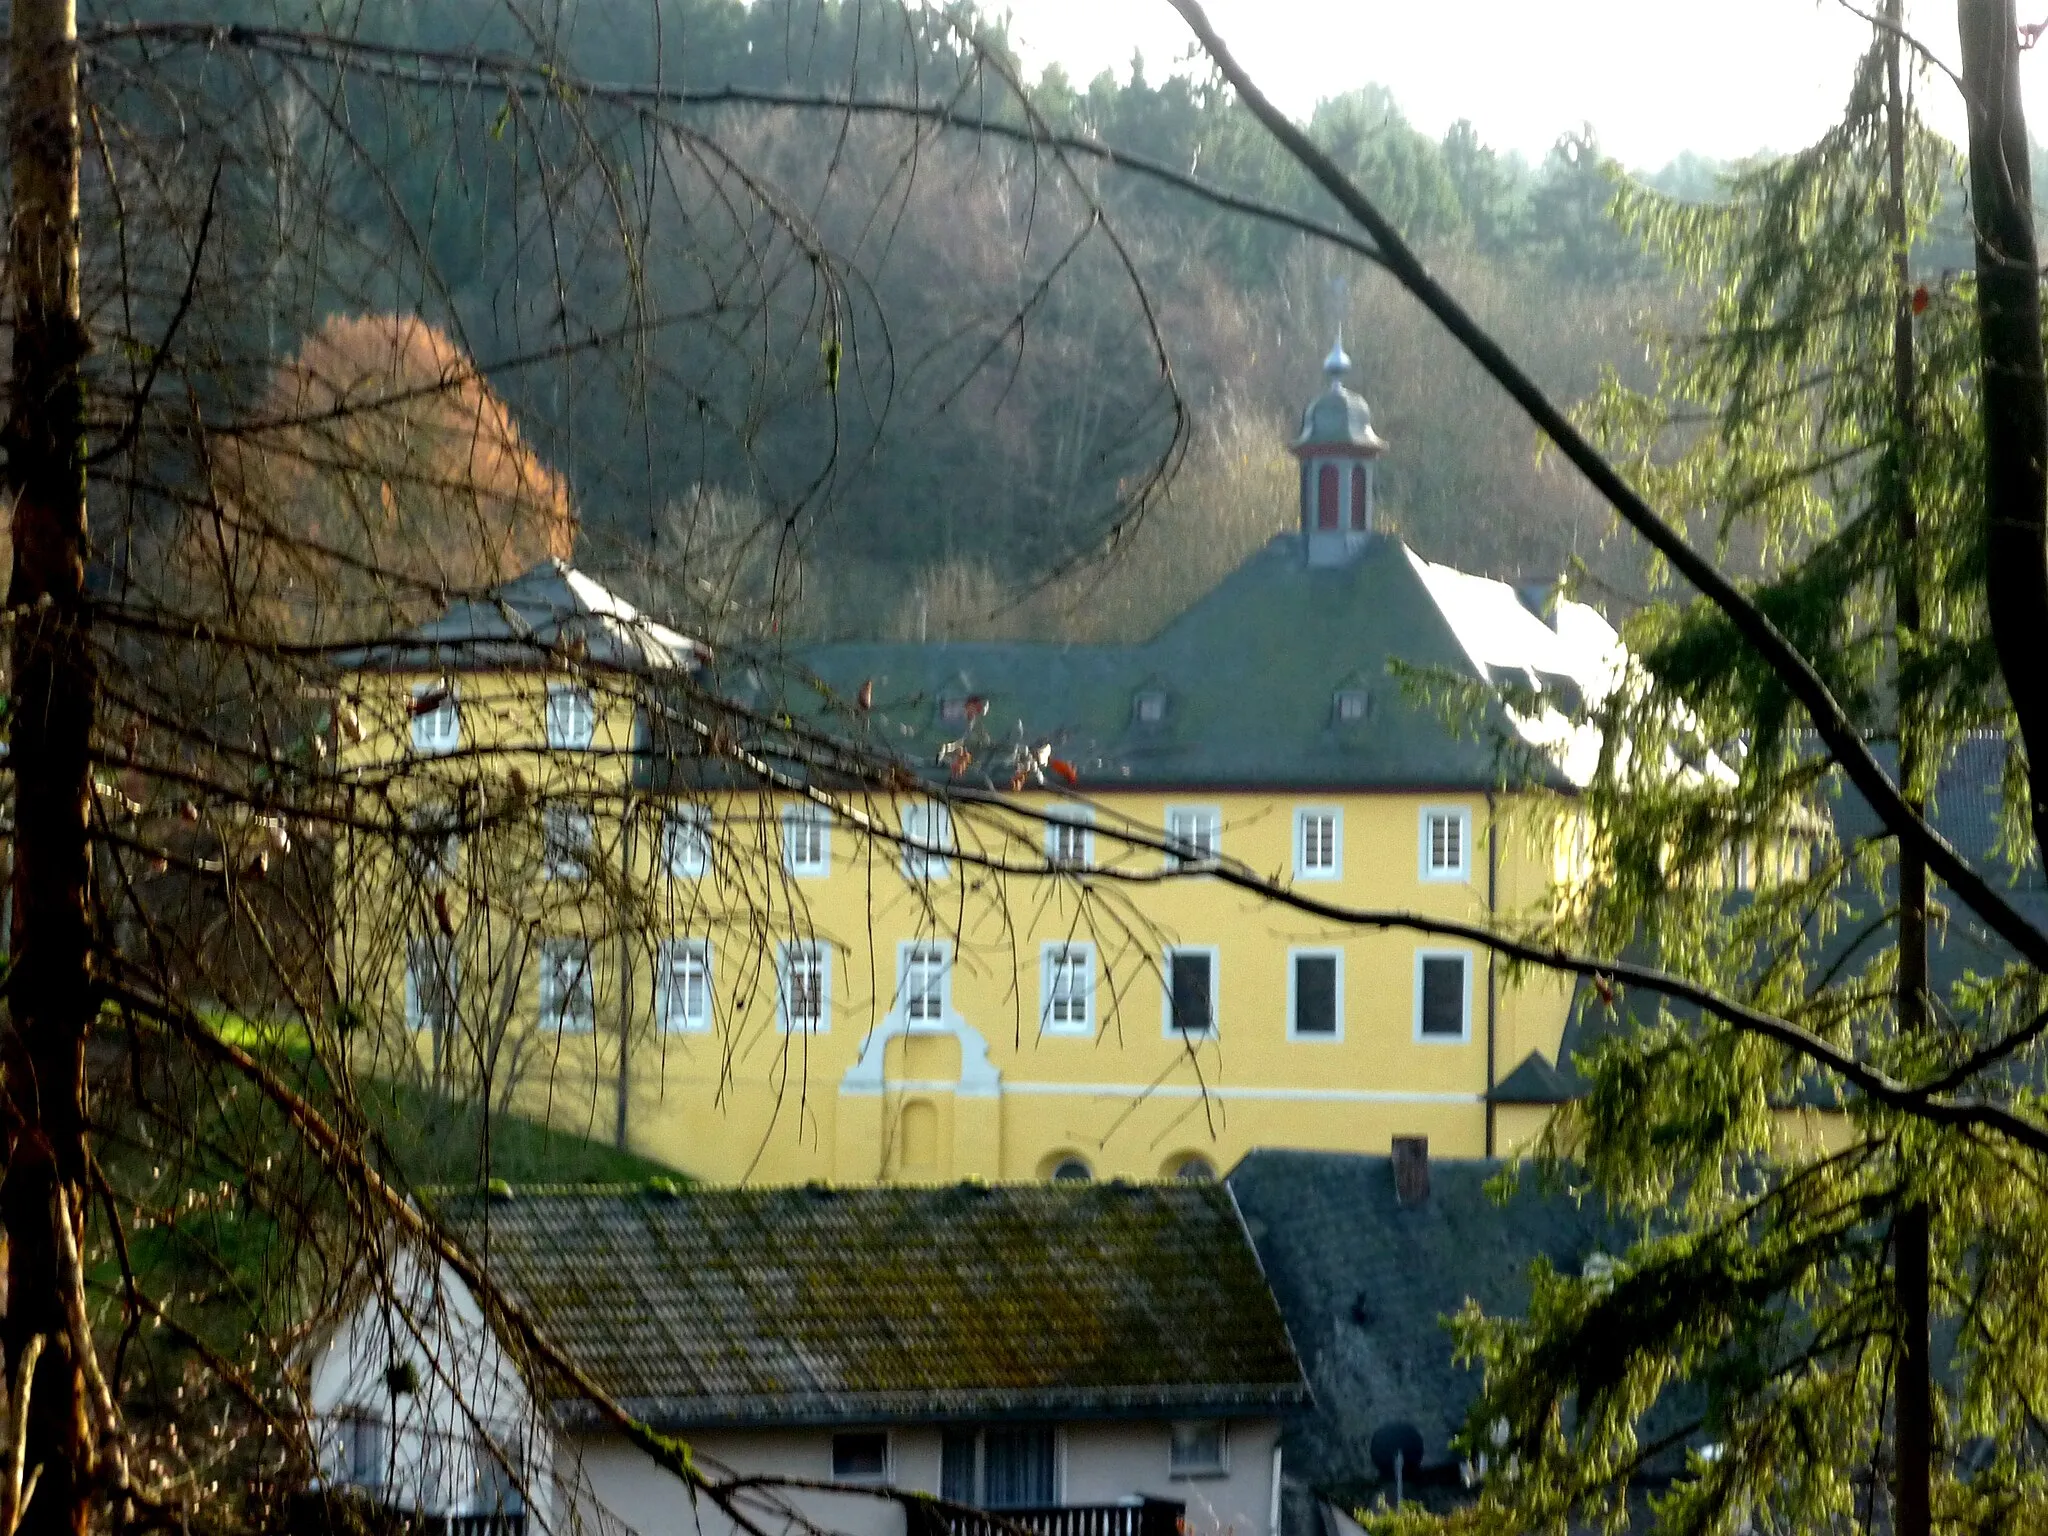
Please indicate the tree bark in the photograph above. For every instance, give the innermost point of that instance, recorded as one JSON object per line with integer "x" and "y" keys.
{"x": 50, "y": 996}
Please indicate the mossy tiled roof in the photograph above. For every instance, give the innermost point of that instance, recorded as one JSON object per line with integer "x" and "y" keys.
{"x": 701, "y": 1308}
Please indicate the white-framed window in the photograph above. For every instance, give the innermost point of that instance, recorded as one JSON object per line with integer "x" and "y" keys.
{"x": 572, "y": 716}
{"x": 1070, "y": 837}
{"x": 430, "y": 984}
{"x": 1315, "y": 994}
{"x": 1067, "y": 986}
{"x": 682, "y": 985}
{"x": 803, "y": 976}
{"x": 1318, "y": 843}
{"x": 1446, "y": 843}
{"x": 1196, "y": 830}
{"x": 1149, "y": 707}
{"x": 568, "y": 992}
{"x": 860, "y": 1456}
{"x": 1352, "y": 705}
{"x": 926, "y": 969}
{"x": 1190, "y": 976}
{"x": 807, "y": 840}
{"x": 927, "y": 837}
{"x": 362, "y": 1449}
{"x": 501, "y": 1471}
{"x": 435, "y": 848}
{"x": 1198, "y": 1448}
{"x": 436, "y": 718}
{"x": 1443, "y": 995}
{"x": 568, "y": 833}
{"x": 686, "y": 841}
{"x": 1010, "y": 1466}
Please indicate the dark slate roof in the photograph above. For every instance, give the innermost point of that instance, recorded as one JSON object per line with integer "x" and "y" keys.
{"x": 1365, "y": 1284}
{"x": 552, "y": 612}
{"x": 710, "y": 1307}
{"x": 1249, "y": 675}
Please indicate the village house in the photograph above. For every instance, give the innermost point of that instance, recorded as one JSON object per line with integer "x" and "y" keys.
{"x": 1086, "y": 1360}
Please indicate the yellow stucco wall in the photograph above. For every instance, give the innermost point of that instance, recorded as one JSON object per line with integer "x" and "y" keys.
{"x": 988, "y": 1090}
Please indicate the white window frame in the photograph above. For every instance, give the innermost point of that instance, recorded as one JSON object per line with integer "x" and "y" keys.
{"x": 1315, "y": 951}
{"x": 1070, "y": 821}
{"x": 1303, "y": 870}
{"x": 552, "y": 1004}
{"x": 570, "y": 717}
{"x": 1343, "y": 701}
{"x": 686, "y": 841}
{"x": 1195, "y": 815}
{"x": 566, "y": 857}
{"x": 818, "y": 955}
{"x": 438, "y": 731}
{"x": 1215, "y": 991}
{"x": 1050, "y": 955}
{"x": 436, "y": 850}
{"x": 669, "y": 956}
{"x": 930, "y": 823}
{"x": 1428, "y": 872}
{"x": 1179, "y": 1470}
{"x": 357, "y": 1429}
{"x": 431, "y": 948}
{"x": 798, "y": 821}
{"x": 1464, "y": 1035}
{"x": 925, "y": 952}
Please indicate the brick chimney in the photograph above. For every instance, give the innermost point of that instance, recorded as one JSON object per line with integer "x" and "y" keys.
{"x": 1411, "y": 1169}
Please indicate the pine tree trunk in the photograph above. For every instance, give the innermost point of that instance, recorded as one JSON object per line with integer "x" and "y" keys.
{"x": 50, "y": 998}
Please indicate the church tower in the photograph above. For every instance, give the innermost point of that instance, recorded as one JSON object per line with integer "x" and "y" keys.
{"x": 1336, "y": 448}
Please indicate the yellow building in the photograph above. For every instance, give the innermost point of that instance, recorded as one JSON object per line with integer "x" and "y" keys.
{"x": 987, "y": 967}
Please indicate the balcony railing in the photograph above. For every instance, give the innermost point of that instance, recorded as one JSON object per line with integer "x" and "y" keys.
{"x": 1138, "y": 1517}
{"x": 352, "y": 1512}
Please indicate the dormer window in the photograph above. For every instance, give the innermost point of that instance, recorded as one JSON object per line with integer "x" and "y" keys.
{"x": 1352, "y": 705}
{"x": 1149, "y": 708}
{"x": 953, "y": 709}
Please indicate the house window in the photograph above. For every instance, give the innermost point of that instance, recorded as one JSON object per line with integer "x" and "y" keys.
{"x": 953, "y": 709}
{"x": 1197, "y": 1448}
{"x": 1326, "y": 496}
{"x": 804, "y": 976}
{"x": 1195, "y": 830}
{"x": 1149, "y": 708}
{"x": 1446, "y": 844}
{"x": 1353, "y": 705}
{"x": 1318, "y": 837}
{"x": 1068, "y": 987}
{"x": 567, "y": 834}
{"x": 1070, "y": 840}
{"x": 686, "y": 842}
{"x": 1191, "y": 993}
{"x": 1360, "y": 500}
{"x": 927, "y": 833}
{"x": 430, "y": 984}
{"x": 807, "y": 840}
{"x": 434, "y": 848}
{"x": 500, "y": 1474}
{"x": 568, "y": 996}
{"x": 436, "y": 718}
{"x": 1315, "y": 983}
{"x": 682, "y": 982}
{"x": 1443, "y": 994}
{"x": 1011, "y": 1467}
{"x": 572, "y": 717}
{"x": 861, "y": 1456}
{"x": 364, "y": 1449}
{"x": 927, "y": 975}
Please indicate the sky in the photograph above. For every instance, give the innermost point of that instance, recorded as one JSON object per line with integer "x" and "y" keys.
{"x": 1723, "y": 78}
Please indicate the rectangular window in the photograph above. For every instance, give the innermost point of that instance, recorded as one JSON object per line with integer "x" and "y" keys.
{"x": 436, "y": 718}
{"x": 861, "y": 1456}
{"x": 804, "y": 975}
{"x": 430, "y": 984}
{"x": 927, "y": 836}
{"x": 1196, "y": 831}
{"x": 927, "y": 973}
{"x": 1446, "y": 844}
{"x": 1068, "y": 988}
{"x": 572, "y": 716}
{"x": 500, "y": 1473}
{"x": 1318, "y": 840}
{"x": 1315, "y": 994}
{"x": 959, "y": 1458}
{"x": 567, "y": 835}
{"x": 686, "y": 841}
{"x": 1443, "y": 994}
{"x": 568, "y": 995}
{"x": 807, "y": 840}
{"x": 1020, "y": 1467}
{"x": 1198, "y": 1448}
{"x": 1191, "y": 992}
{"x": 435, "y": 848}
{"x": 1070, "y": 840}
{"x": 682, "y": 982}
{"x": 364, "y": 1449}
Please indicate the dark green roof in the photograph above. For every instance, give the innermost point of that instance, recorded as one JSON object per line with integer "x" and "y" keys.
{"x": 700, "y": 1308}
{"x": 1248, "y": 677}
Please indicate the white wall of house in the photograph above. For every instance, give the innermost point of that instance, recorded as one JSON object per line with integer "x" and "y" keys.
{"x": 1101, "y": 1462}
